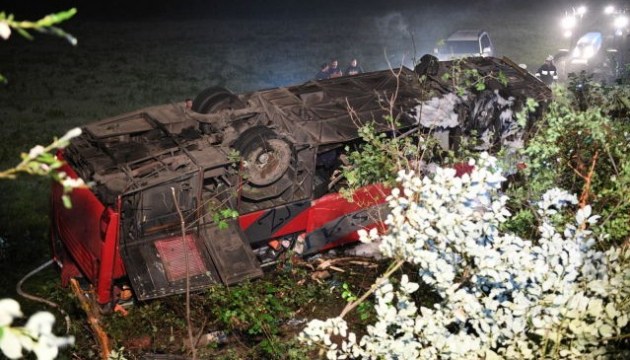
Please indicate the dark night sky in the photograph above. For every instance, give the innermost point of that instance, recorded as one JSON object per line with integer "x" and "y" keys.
{"x": 195, "y": 8}
{"x": 126, "y": 9}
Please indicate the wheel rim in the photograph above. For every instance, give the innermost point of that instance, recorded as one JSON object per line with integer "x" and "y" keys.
{"x": 268, "y": 162}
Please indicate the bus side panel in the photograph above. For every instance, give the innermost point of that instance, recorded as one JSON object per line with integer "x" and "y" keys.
{"x": 334, "y": 221}
{"x": 88, "y": 232}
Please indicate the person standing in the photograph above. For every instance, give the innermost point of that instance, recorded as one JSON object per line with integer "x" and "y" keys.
{"x": 354, "y": 68}
{"x": 547, "y": 72}
{"x": 333, "y": 69}
{"x": 323, "y": 72}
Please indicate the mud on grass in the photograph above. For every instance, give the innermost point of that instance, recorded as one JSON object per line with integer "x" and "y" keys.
{"x": 259, "y": 319}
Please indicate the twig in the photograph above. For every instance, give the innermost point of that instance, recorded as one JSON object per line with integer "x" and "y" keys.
{"x": 193, "y": 349}
{"x": 587, "y": 183}
{"x": 199, "y": 208}
{"x": 618, "y": 337}
{"x": 93, "y": 319}
{"x": 375, "y": 286}
{"x": 200, "y": 333}
{"x": 589, "y": 179}
{"x": 363, "y": 263}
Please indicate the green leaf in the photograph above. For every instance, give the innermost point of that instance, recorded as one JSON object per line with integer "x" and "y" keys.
{"x": 53, "y": 30}
{"x": 223, "y": 225}
{"x": 67, "y": 203}
{"x": 65, "y": 15}
{"x": 56, "y": 18}
{"x": 24, "y": 33}
{"x": 502, "y": 78}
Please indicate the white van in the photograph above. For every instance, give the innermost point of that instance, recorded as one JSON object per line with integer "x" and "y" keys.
{"x": 465, "y": 43}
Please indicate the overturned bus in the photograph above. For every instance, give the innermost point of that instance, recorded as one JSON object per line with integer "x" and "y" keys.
{"x": 160, "y": 175}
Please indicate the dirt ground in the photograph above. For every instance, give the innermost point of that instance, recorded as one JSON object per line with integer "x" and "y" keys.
{"x": 256, "y": 320}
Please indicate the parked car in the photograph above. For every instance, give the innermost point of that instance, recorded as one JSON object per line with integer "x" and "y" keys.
{"x": 465, "y": 43}
{"x": 159, "y": 175}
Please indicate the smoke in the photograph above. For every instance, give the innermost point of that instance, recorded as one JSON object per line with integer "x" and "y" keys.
{"x": 392, "y": 23}
{"x": 394, "y": 33}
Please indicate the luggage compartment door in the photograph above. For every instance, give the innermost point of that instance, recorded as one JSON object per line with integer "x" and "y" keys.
{"x": 159, "y": 267}
{"x": 234, "y": 259}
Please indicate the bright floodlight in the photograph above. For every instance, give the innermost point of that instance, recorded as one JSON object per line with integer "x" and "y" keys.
{"x": 568, "y": 22}
{"x": 620, "y": 22}
{"x": 581, "y": 10}
{"x": 609, "y": 9}
{"x": 567, "y": 34}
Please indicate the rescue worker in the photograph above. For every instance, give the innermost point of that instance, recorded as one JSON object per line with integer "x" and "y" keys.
{"x": 354, "y": 68}
{"x": 547, "y": 72}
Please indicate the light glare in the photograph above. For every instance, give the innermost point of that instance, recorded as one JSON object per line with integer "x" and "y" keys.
{"x": 620, "y": 22}
{"x": 568, "y": 22}
{"x": 581, "y": 10}
{"x": 588, "y": 52}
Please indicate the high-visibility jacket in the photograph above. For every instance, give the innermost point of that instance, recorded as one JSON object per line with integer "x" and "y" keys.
{"x": 547, "y": 73}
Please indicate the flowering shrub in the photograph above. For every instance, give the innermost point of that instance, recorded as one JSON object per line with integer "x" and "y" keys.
{"x": 47, "y": 24}
{"x": 42, "y": 161}
{"x": 502, "y": 296}
{"x": 35, "y": 336}
{"x": 584, "y": 151}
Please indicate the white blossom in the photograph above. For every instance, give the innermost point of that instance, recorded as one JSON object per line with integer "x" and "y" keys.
{"x": 72, "y": 133}
{"x": 36, "y": 336}
{"x": 72, "y": 183}
{"x": 36, "y": 151}
{"x": 406, "y": 286}
{"x": 10, "y": 343}
{"x": 500, "y": 292}
{"x": 368, "y": 237}
{"x": 9, "y": 310}
{"x": 5, "y": 30}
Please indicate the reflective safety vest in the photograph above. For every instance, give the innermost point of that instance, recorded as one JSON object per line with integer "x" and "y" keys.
{"x": 547, "y": 73}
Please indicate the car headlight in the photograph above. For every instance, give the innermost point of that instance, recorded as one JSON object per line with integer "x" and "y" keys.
{"x": 620, "y": 22}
